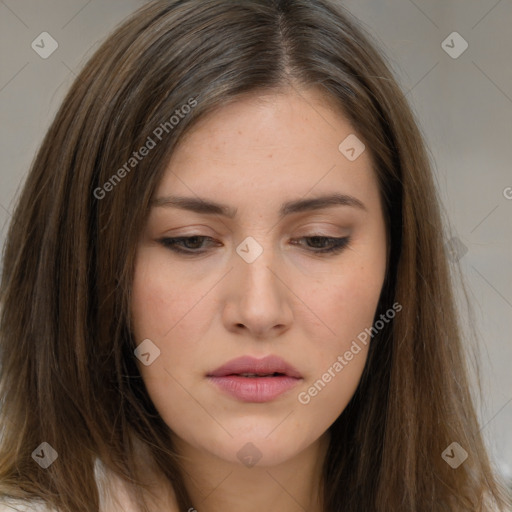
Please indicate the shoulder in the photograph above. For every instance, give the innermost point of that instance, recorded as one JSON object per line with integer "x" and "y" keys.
{"x": 492, "y": 506}
{"x": 117, "y": 496}
{"x": 114, "y": 496}
{"x": 12, "y": 505}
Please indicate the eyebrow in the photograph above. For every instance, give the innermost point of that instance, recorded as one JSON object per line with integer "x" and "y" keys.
{"x": 206, "y": 206}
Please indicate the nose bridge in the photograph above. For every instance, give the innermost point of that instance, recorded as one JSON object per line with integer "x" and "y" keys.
{"x": 255, "y": 266}
{"x": 259, "y": 299}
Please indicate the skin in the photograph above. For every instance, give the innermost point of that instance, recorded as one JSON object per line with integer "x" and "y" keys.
{"x": 202, "y": 311}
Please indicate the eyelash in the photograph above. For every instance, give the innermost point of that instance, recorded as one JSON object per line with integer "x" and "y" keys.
{"x": 337, "y": 244}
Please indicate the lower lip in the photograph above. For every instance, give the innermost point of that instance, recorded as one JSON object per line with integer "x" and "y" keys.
{"x": 255, "y": 389}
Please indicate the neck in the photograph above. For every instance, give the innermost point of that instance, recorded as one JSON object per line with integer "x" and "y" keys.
{"x": 291, "y": 486}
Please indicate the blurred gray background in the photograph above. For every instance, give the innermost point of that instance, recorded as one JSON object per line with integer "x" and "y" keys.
{"x": 460, "y": 88}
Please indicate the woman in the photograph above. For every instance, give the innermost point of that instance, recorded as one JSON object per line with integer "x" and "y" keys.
{"x": 225, "y": 284}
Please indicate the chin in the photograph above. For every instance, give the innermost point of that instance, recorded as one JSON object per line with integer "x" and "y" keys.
{"x": 261, "y": 449}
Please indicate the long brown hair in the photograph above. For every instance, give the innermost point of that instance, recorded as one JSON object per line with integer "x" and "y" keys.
{"x": 69, "y": 376}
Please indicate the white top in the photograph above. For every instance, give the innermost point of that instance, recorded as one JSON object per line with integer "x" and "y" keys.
{"x": 113, "y": 496}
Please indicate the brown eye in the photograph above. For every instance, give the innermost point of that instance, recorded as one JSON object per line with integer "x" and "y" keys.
{"x": 186, "y": 244}
{"x": 325, "y": 244}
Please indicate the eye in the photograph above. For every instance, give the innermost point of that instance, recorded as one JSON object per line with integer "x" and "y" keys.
{"x": 194, "y": 245}
{"x": 324, "y": 244}
{"x": 187, "y": 244}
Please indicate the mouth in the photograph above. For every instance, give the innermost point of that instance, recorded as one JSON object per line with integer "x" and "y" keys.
{"x": 255, "y": 380}
{"x": 250, "y": 367}
{"x": 252, "y": 375}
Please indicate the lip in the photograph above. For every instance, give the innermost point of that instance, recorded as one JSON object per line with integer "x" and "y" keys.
{"x": 255, "y": 389}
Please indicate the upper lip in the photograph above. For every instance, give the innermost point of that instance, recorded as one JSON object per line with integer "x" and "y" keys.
{"x": 247, "y": 364}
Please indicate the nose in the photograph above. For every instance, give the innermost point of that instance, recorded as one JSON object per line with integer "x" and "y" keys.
{"x": 258, "y": 299}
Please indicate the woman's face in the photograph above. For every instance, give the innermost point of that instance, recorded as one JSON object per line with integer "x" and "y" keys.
{"x": 251, "y": 282}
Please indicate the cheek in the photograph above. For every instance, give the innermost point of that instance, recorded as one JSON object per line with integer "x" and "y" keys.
{"x": 347, "y": 302}
{"x": 170, "y": 309}
{"x": 326, "y": 397}
{"x": 360, "y": 294}
{"x": 165, "y": 309}
{"x": 347, "y": 306}
{"x": 345, "y": 297}
{"x": 161, "y": 299}
{"x": 340, "y": 357}
{"x": 338, "y": 361}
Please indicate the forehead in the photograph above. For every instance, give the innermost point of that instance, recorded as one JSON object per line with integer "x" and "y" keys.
{"x": 265, "y": 146}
